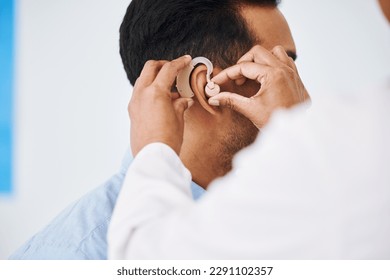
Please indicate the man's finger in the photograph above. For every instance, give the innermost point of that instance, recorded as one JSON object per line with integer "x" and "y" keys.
{"x": 250, "y": 70}
{"x": 149, "y": 72}
{"x": 167, "y": 75}
{"x": 261, "y": 55}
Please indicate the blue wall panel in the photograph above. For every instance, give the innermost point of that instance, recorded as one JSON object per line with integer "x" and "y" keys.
{"x": 6, "y": 90}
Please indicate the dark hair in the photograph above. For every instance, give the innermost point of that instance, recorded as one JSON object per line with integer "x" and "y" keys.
{"x": 167, "y": 29}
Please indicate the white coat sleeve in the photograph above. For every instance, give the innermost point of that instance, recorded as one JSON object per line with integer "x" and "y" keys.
{"x": 239, "y": 218}
{"x": 299, "y": 192}
{"x": 156, "y": 183}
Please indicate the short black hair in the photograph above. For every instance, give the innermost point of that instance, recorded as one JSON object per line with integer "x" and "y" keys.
{"x": 167, "y": 29}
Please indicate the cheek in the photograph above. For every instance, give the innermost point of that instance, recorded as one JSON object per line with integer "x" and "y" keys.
{"x": 242, "y": 133}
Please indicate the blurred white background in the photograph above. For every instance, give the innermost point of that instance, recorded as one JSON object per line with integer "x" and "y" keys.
{"x": 72, "y": 93}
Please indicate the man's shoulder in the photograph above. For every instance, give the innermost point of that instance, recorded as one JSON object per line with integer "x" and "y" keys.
{"x": 79, "y": 231}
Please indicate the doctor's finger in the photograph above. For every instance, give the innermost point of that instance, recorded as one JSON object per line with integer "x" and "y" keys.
{"x": 251, "y": 108}
{"x": 241, "y": 81}
{"x": 181, "y": 105}
{"x": 167, "y": 75}
{"x": 261, "y": 55}
{"x": 281, "y": 54}
{"x": 175, "y": 95}
{"x": 149, "y": 72}
{"x": 250, "y": 70}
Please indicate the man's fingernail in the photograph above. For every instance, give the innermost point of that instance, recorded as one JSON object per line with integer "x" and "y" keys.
{"x": 190, "y": 103}
{"x": 214, "y": 102}
{"x": 187, "y": 56}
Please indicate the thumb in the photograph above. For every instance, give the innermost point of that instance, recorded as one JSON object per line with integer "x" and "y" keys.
{"x": 182, "y": 104}
{"x": 251, "y": 108}
{"x": 233, "y": 101}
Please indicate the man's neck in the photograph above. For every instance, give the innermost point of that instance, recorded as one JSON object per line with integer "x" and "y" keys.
{"x": 201, "y": 160}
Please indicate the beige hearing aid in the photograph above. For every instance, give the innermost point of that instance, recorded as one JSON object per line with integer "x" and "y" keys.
{"x": 183, "y": 79}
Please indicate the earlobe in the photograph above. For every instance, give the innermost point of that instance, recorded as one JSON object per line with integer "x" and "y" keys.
{"x": 198, "y": 83}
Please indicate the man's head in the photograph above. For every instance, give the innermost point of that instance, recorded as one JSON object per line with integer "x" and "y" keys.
{"x": 221, "y": 30}
{"x": 167, "y": 29}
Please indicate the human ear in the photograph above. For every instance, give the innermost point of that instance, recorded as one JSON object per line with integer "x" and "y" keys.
{"x": 198, "y": 82}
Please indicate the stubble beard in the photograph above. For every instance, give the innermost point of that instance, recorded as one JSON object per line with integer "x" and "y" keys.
{"x": 242, "y": 134}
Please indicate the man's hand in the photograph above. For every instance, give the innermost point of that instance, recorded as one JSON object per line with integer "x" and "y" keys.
{"x": 156, "y": 114}
{"x": 281, "y": 86}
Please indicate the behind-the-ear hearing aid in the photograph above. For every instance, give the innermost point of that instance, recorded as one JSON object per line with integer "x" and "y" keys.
{"x": 183, "y": 79}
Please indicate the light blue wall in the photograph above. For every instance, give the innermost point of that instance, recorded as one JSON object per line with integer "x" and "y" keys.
{"x": 6, "y": 88}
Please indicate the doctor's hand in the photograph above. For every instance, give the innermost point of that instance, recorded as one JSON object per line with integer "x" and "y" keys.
{"x": 280, "y": 84}
{"x": 156, "y": 114}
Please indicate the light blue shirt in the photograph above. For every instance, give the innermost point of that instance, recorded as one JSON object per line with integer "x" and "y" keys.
{"x": 80, "y": 231}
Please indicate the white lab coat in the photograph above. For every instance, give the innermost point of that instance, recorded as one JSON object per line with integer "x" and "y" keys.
{"x": 315, "y": 185}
